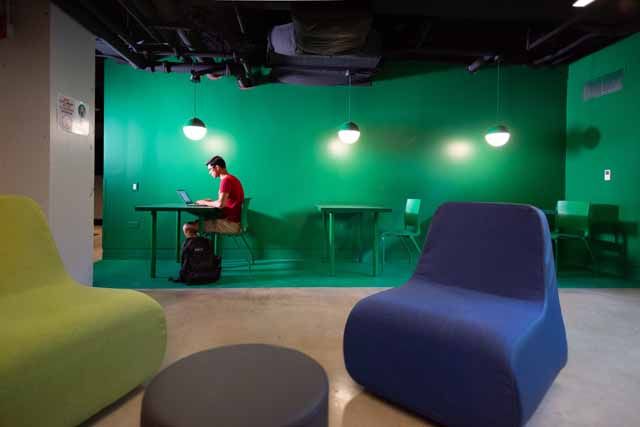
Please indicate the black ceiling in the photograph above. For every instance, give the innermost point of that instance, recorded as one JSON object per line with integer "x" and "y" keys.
{"x": 532, "y": 32}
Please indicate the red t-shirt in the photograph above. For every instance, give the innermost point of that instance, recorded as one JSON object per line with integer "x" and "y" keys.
{"x": 233, "y": 205}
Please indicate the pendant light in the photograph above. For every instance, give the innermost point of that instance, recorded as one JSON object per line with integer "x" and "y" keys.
{"x": 349, "y": 132}
{"x": 498, "y": 135}
{"x": 195, "y": 128}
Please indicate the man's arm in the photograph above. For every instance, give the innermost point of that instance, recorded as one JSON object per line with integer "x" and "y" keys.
{"x": 222, "y": 199}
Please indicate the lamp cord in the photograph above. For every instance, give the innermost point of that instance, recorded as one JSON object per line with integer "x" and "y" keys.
{"x": 349, "y": 97}
{"x": 194, "y": 100}
{"x": 498, "y": 95}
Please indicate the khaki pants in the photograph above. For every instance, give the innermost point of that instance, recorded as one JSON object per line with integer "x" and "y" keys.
{"x": 222, "y": 226}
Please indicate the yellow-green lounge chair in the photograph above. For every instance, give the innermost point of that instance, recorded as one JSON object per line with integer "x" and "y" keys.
{"x": 66, "y": 350}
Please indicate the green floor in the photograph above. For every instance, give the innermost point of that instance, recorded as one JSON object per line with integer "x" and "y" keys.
{"x": 269, "y": 274}
{"x": 264, "y": 274}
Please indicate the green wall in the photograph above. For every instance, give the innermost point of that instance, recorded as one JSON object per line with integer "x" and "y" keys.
{"x": 422, "y": 136}
{"x": 604, "y": 133}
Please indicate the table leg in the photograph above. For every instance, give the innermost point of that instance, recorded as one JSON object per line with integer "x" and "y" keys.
{"x": 360, "y": 221}
{"x": 376, "y": 244}
{"x": 178, "y": 231}
{"x": 332, "y": 245}
{"x": 325, "y": 239}
{"x": 154, "y": 231}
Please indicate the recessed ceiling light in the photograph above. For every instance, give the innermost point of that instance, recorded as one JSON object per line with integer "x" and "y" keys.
{"x": 583, "y": 3}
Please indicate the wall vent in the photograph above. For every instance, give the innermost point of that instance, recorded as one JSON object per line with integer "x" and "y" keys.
{"x": 604, "y": 85}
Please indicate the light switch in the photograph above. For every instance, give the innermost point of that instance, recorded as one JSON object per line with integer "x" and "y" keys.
{"x": 135, "y": 186}
{"x": 607, "y": 174}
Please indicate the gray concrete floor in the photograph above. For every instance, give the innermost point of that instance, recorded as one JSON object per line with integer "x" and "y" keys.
{"x": 600, "y": 385}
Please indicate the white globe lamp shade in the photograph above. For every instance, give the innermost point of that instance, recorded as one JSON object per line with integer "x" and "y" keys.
{"x": 349, "y": 133}
{"x": 497, "y": 136}
{"x": 194, "y": 129}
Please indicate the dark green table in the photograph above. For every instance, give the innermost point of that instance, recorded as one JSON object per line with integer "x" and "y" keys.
{"x": 328, "y": 220}
{"x": 202, "y": 212}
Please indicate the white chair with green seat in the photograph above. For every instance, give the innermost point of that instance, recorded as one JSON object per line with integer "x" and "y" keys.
{"x": 408, "y": 234}
{"x": 244, "y": 227}
{"x": 572, "y": 223}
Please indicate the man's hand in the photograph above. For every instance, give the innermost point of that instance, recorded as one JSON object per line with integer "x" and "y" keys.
{"x": 214, "y": 203}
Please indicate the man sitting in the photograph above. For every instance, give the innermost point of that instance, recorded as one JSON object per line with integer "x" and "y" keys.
{"x": 230, "y": 199}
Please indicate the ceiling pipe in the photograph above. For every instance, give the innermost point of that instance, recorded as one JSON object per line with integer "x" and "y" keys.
{"x": 232, "y": 65}
{"x": 578, "y": 17}
{"x": 480, "y": 62}
{"x": 157, "y": 36}
{"x": 210, "y": 69}
{"x": 553, "y": 33}
{"x": 244, "y": 78}
{"x": 201, "y": 54}
{"x": 170, "y": 27}
{"x": 182, "y": 34}
{"x": 194, "y": 69}
{"x": 109, "y": 23}
{"x": 435, "y": 52}
{"x": 101, "y": 30}
{"x": 152, "y": 45}
{"x": 239, "y": 18}
{"x": 565, "y": 49}
{"x": 561, "y": 60}
{"x": 131, "y": 10}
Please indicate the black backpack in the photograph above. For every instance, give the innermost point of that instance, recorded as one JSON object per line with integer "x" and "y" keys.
{"x": 199, "y": 265}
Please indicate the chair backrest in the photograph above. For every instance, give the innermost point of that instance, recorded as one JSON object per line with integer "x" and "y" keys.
{"x": 573, "y": 217}
{"x": 244, "y": 214}
{"x": 501, "y": 249}
{"x": 28, "y": 255}
{"x": 412, "y": 215}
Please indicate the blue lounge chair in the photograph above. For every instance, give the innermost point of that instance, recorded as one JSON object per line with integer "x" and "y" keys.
{"x": 476, "y": 337}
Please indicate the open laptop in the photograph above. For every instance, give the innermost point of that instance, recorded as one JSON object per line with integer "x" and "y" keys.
{"x": 185, "y": 197}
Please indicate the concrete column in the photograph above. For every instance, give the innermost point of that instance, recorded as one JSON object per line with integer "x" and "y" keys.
{"x": 48, "y": 54}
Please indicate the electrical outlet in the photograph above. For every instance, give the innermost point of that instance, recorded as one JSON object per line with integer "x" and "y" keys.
{"x": 135, "y": 186}
{"x": 607, "y": 174}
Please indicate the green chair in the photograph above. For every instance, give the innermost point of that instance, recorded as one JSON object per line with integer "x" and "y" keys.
{"x": 572, "y": 223}
{"x": 408, "y": 234}
{"x": 244, "y": 227}
{"x": 608, "y": 239}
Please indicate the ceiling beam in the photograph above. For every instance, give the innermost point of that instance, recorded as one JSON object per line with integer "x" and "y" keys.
{"x": 99, "y": 28}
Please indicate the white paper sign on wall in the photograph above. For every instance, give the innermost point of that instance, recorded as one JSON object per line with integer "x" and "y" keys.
{"x": 72, "y": 115}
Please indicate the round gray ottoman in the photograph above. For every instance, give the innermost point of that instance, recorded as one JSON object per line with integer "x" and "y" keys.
{"x": 241, "y": 385}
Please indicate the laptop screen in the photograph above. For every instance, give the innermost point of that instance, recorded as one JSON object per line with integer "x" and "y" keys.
{"x": 185, "y": 197}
